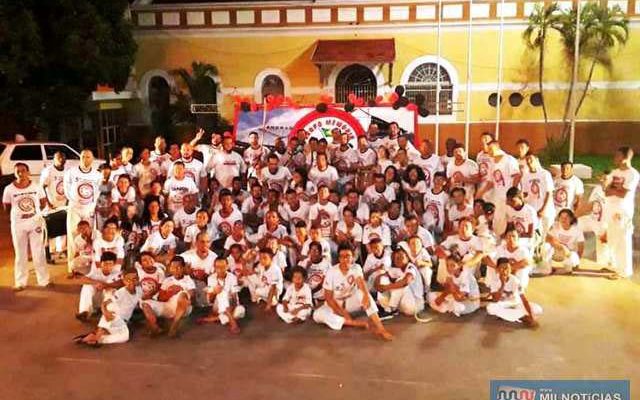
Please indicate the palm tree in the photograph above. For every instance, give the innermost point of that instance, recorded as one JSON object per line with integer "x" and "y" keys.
{"x": 540, "y": 21}
{"x": 202, "y": 90}
{"x": 610, "y": 29}
{"x": 601, "y": 29}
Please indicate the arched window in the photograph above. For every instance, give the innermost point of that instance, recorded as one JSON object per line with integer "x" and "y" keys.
{"x": 159, "y": 94}
{"x": 356, "y": 79}
{"x": 272, "y": 84}
{"x": 423, "y": 80}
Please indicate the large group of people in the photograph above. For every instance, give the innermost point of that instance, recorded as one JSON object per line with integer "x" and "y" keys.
{"x": 315, "y": 229}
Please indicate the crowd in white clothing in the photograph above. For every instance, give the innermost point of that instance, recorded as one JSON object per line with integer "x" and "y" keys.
{"x": 316, "y": 229}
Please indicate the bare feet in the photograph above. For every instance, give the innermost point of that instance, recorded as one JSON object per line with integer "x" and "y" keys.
{"x": 234, "y": 328}
{"x": 530, "y": 322}
{"x": 383, "y": 334}
{"x": 209, "y": 319}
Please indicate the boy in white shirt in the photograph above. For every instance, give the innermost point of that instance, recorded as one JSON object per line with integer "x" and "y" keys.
{"x": 177, "y": 187}
{"x": 435, "y": 203}
{"x": 266, "y": 282}
{"x": 174, "y": 299}
{"x": 537, "y": 189}
{"x": 150, "y": 275}
{"x": 199, "y": 261}
{"x": 84, "y": 249}
{"x": 460, "y": 294}
{"x": 568, "y": 188}
{"x": 297, "y": 303}
{"x": 96, "y": 284}
{"x": 117, "y": 309}
{"x": 522, "y": 216}
{"x": 509, "y": 301}
{"x": 401, "y": 288}
{"x": 316, "y": 267}
{"x": 222, "y": 290}
{"x": 345, "y": 292}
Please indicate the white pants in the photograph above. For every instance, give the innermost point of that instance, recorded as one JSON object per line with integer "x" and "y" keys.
{"x": 166, "y": 309}
{"x": 500, "y": 216}
{"x": 117, "y": 328}
{"x": 453, "y": 306}
{"x": 91, "y": 298}
{"x": 427, "y": 275}
{"x": 511, "y": 310}
{"x": 522, "y": 275}
{"x": 82, "y": 264}
{"x": 73, "y": 217}
{"x": 29, "y": 234}
{"x": 587, "y": 223}
{"x": 222, "y": 303}
{"x": 259, "y": 291}
{"x": 401, "y": 299}
{"x": 287, "y": 317}
{"x": 442, "y": 274}
{"x": 552, "y": 259}
{"x": 620, "y": 238}
{"x": 325, "y": 315}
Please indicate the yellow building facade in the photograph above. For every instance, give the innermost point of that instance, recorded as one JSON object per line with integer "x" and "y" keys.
{"x": 253, "y": 44}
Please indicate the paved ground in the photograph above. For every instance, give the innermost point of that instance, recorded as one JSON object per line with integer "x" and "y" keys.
{"x": 589, "y": 330}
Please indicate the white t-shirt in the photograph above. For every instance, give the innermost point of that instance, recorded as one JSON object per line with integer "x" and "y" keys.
{"x": 328, "y": 215}
{"x": 251, "y": 156}
{"x": 150, "y": 281}
{"x": 158, "y": 244}
{"x": 522, "y": 218}
{"x": 569, "y": 238}
{"x": 382, "y": 231}
{"x": 193, "y": 230}
{"x": 270, "y": 277}
{"x": 315, "y": 272}
{"x": 182, "y": 219}
{"x": 229, "y": 284}
{"x": 125, "y": 198}
{"x": 355, "y": 232}
{"x": 196, "y": 262}
{"x": 342, "y": 285}
{"x": 225, "y": 224}
{"x": 25, "y": 203}
{"x": 186, "y": 283}
{"x": 123, "y": 302}
{"x": 145, "y": 174}
{"x": 326, "y": 177}
{"x": 457, "y": 173}
{"x": 471, "y": 246}
{"x": 434, "y": 206}
{"x": 627, "y": 179}
{"x": 292, "y": 216}
{"x": 373, "y": 262}
{"x": 566, "y": 191}
{"x": 371, "y": 195}
{"x": 429, "y": 166}
{"x": 52, "y": 179}
{"x": 176, "y": 190}
{"x": 82, "y": 189}
{"x": 362, "y": 212}
{"x": 485, "y": 164}
{"x": 455, "y": 215}
{"x": 280, "y": 178}
{"x": 101, "y": 246}
{"x": 297, "y": 298}
{"x": 535, "y": 186}
{"x": 126, "y": 169}
{"x": 502, "y": 173}
{"x": 367, "y": 158}
{"x": 97, "y": 275}
{"x": 193, "y": 169}
{"x": 347, "y": 158}
{"x": 226, "y": 166}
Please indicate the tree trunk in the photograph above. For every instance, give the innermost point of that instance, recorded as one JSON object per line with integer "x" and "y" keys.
{"x": 586, "y": 86}
{"x": 567, "y": 107}
{"x": 540, "y": 72}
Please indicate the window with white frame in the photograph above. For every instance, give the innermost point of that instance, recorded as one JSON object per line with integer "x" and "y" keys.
{"x": 423, "y": 81}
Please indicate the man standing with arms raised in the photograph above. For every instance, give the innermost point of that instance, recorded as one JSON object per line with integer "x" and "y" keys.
{"x": 82, "y": 188}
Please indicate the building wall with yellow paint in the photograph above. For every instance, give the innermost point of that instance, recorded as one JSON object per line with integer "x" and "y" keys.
{"x": 241, "y": 54}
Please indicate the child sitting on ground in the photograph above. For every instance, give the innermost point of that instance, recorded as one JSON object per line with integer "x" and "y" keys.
{"x": 116, "y": 312}
{"x": 266, "y": 282}
{"x": 461, "y": 294}
{"x": 510, "y": 303}
{"x": 98, "y": 282}
{"x": 297, "y": 303}
{"x": 174, "y": 299}
{"x": 222, "y": 291}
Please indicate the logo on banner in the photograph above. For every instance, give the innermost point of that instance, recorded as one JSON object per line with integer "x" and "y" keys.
{"x": 319, "y": 125}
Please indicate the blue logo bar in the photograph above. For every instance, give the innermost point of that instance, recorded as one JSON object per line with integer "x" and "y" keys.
{"x": 560, "y": 390}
